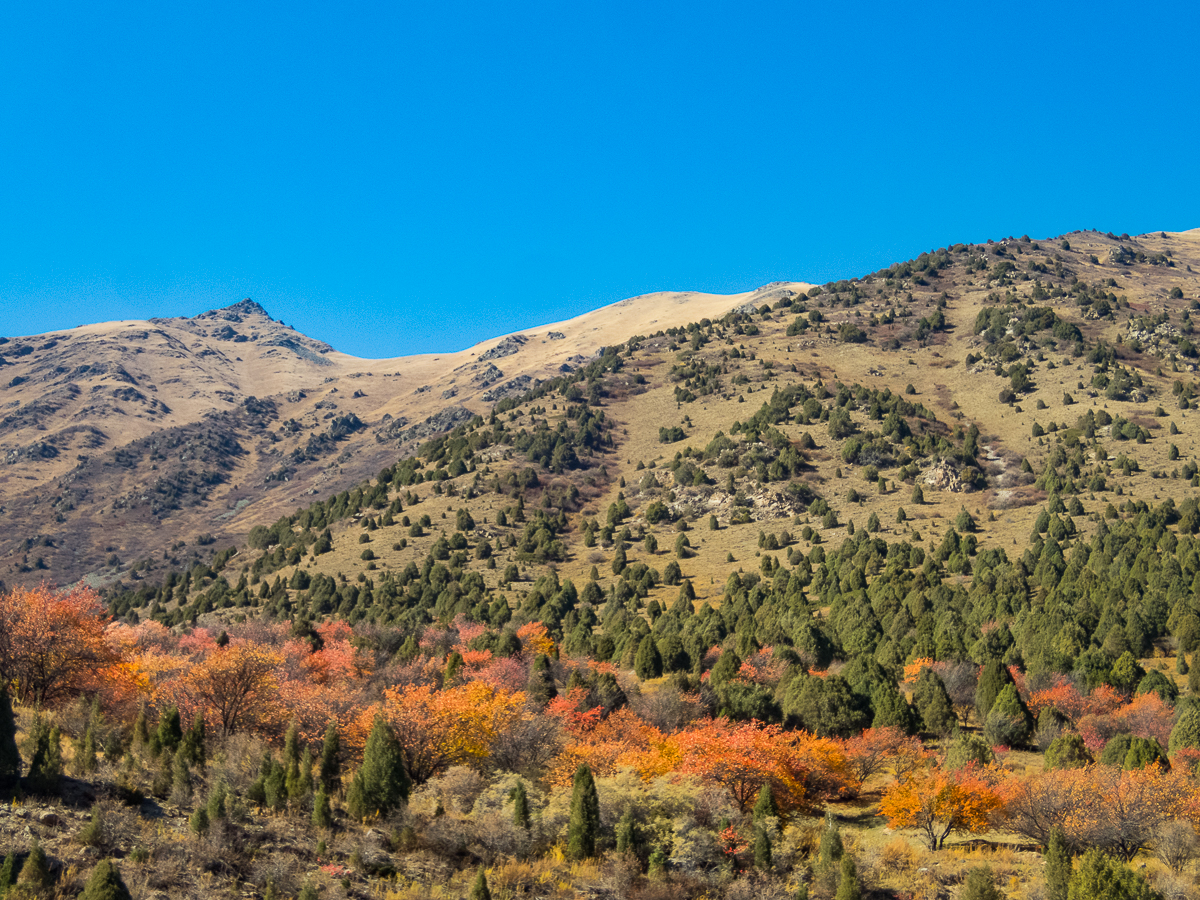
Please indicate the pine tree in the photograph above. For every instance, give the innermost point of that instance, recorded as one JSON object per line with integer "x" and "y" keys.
{"x": 199, "y": 821}
{"x": 584, "y": 825}
{"x": 10, "y": 757}
{"x": 992, "y": 680}
{"x": 141, "y": 729}
{"x": 1009, "y": 721}
{"x": 165, "y": 777}
{"x": 381, "y": 783}
{"x": 218, "y": 799}
{"x": 479, "y": 890}
{"x": 830, "y": 851}
{"x": 181, "y": 781}
{"x": 331, "y": 759}
{"x": 626, "y": 832}
{"x": 322, "y": 816}
{"x": 106, "y": 883}
{"x": 520, "y": 801}
{"x": 85, "y": 756}
{"x": 1058, "y": 865}
{"x": 848, "y": 888}
{"x": 762, "y": 849}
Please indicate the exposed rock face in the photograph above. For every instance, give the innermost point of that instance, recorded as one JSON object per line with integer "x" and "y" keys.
{"x": 943, "y": 476}
{"x": 488, "y": 376}
{"x": 555, "y": 335}
{"x": 506, "y": 347}
{"x": 518, "y": 385}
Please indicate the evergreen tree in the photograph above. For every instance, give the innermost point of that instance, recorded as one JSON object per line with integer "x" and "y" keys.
{"x": 992, "y": 680}
{"x": 1009, "y": 721}
{"x": 648, "y": 663}
{"x": 762, "y": 849}
{"x": 1067, "y": 751}
{"x": 540, "y": 689}
{"x": 105, "y": 883}
{"x": 218, "y": 798}
{"x": 181, "y": 780}
{"x": 830, "y": 851}
{"x": 520, "y": 802}
{"x": 276, "y": 787}
{"x": 8, "y": 872}
{"x": 980, "y": 885}
{"x": 10, "y": 757}
{"x": 933, "y": 703}
{"x": 45, "y": 768}
{"x": 331, "y": 759}
{"x": 764, "y": 807}
{"x": 322, "y": 816}
{"x": 584, "y": 825}
{"x": 381, "y": 783}
{"x": 657, "y": 869}
{"x": 1186, "y": 732}
{"x": 626, "y": 831}
{"x": 170, "y": 729}
{"x": 35, "y": 873}
{"x": 199, "y": 821}
{"x": 193, "y": 742}
{"x": 308, "y": 891}
{"x": 479, "y": 890}
{"x": 848, "y": 888}
{"x": 141, "y": 729}
{"x": 85, "y": 756}
{"x": 802, "y": 888}
{"x": 1058, "y": 865}
{"x": 1100, "y": 877}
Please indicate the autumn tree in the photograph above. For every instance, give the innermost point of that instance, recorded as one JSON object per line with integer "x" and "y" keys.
{"x": 236, "y": 686}
{"x": 939, "y": 803}
{"x": 52, "y": 643}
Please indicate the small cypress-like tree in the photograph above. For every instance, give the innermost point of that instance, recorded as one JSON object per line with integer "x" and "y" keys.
{"x": 933, "y": 703}
{"x": 35, "y": 873}
{"x": 801, "y": 892}
{"x": 626, "y": 832}
{"x": 141, "y": 729}
{"x": 1067, "y": 751}
{"x": 199, "y": 821}
{"x": 307, "y": 892}
{"x": 830, "y": 850}
{"x": 657, "y": 868}
{"x": 1100, "y": 877}
{"x": 218, "y": 801}
{"x": 85, "y": 757}
{"x": 276, "y": 787}
{"x": 540, "y": 689}
{"x": 992, "y": 680}
{"x": 1009, "y": 721}
{"x": 762, "y": 849}
{"x": 193, "y": 741}
{"x": 46, "y": 766}
{"x": 584, "y": 825}
{"x": 181, "y": 780}
{"x": 322, "y": 816}
{"x": 848, "y": 888}
{"x": 1058, "y": 865}
{"x": 170, "y": 729}
{"x": 479, "y": 889}
{"x": 980, "y": 885}
{"x": 10, "y": 756}
{"x": 648, "y": 662}
{"x": 106, "y": 883}
{"x": 764, "y": 806}
{"x": 331, "y": 759}
{"x": 520, "y": 801}
{"x": 381, "y": 783}
{"x": 8, "y": 872}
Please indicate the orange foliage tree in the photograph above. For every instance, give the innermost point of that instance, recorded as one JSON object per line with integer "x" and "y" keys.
{"x": 52, "y": 643}
{"x": 1099, "y": 806}
{"x": 438, "y": 729}
{"x": 235, "y": 687}
{"x": 881, "y": 750}
{"x": 939, "y": 803}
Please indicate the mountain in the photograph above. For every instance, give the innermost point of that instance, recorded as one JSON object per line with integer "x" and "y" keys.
{"x": 127, "y": 440}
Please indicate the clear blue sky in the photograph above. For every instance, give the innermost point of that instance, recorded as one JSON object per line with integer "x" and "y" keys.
{"x": 396, "y": 178}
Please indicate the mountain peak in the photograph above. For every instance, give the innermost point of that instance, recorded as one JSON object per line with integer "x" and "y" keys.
{"x": 237, "y": 310}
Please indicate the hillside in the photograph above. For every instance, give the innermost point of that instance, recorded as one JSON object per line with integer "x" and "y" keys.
{"x": 124, "y": 441}
{"x": 880, "y": 588}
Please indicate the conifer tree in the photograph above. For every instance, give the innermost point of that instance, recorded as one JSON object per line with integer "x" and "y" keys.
{"x": 141, "y": 729}
{"x": 479, "y": 890}
{"x": 170, "y": 729}
{"x": 762, "y": 849}
{"x": 764, "y": 807}
{"x": 35, "y": 873}
{"x": 848, "y": 888}
{"x": 45, "y": 768}
{"x": 218, "y": 799}
{"x": 992, "y": 680}
{"x": 626, "y": 832}
{"x": 520, "y": 801}
{"x": 193, "y": 741}
{"x": 276, "y": 787}
{"x": 331, "y": 759}
{"x": 1058, "y": 865}
{"x": 8, "y": 872}
{"x": 199, "y": 821}
{"x": 648, "y": 662}
{"x": 10, "y": 757}
{"x": 1009, "y": 721}
{"x": 540, "y": 689}
{"x": 181, "y": 780}
{"x": 106, "y": 883}
{"x": 381, "y": 783}
{"x": 980, "y": 885}
{"x": 830, "y": 850}
{"x": 1100, "y": 877}
{"x": 85, "y": 756}
{"x": 307, "y": 892}
{"x": 584, "y": 825}
{"x": 322, "y": 816}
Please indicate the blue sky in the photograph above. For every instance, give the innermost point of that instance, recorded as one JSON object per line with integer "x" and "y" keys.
{"x": 397, "y": 178}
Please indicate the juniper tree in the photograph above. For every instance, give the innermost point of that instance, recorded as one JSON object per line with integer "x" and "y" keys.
{"x": 540, "y": 689}
{"x": 848, "y": 888}
{"x": 520, "y": 801}
{"x": 170, "y": 729}
{"x": 331, "y": 759}
{"x": 105, "y": 883}
{"x": 762, "y": 849}
{"x": 584, "y": 825}
{"x": 381, "y": 783}
{"x": 1058, "y": 865}
{"x": 10, "y": 757}
{"x": 479, "y": 889}
{"x": 322, "y": 815}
